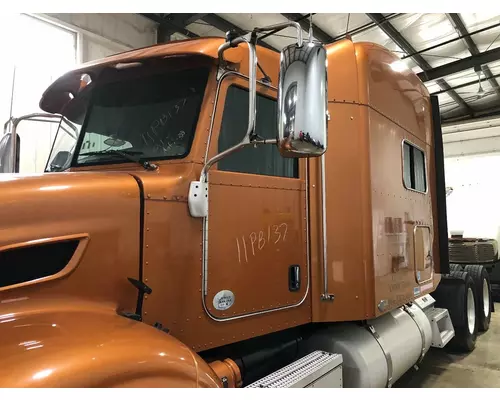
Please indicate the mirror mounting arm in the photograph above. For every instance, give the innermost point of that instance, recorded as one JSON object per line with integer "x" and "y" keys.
{"x": 311, "y": 109}
{"x": 198, "y": 190}
{"x": 252, "y": 68}
{"x": 14, "y": 122}
{"x": 283, "y": 25}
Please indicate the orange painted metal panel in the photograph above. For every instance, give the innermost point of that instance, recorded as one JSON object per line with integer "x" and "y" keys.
{"x": 66, "y": 342}
{"x": 370, "y": 215}
{"x": 253, "y": 242}
{"x": 102, "y": 207}
{"x": 373, "y": 107}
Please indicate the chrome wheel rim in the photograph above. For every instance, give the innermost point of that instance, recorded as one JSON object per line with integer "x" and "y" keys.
{"x": 486, "y": 298}
{"x": 471, "y": 310}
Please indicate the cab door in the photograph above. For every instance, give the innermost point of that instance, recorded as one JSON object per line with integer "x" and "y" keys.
{"x": 256, "y": 230}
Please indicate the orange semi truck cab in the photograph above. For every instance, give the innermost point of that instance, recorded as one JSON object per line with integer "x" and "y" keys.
{"x": 197, "y": 227}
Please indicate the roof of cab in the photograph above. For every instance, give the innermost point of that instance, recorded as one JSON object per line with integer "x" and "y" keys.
{"x": 206, "y": 46}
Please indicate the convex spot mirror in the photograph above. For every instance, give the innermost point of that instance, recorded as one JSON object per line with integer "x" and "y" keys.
{"x": 61, "y": 161}
{"x": 302, "y": 101}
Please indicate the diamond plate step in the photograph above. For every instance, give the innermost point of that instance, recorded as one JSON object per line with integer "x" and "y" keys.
{"x": 317, "y": 369}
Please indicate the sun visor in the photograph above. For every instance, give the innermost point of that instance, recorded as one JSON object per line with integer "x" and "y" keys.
{"x": 63, "y": 90}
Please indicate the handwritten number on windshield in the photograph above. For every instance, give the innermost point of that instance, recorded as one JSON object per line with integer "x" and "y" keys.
{"x": 162, "y": 121}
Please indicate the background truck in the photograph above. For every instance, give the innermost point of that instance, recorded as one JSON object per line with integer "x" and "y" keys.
{"x": 201, "y": 229}
{"x": 477, "y": 253}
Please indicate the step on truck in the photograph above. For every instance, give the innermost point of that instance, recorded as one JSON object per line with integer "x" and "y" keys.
{"x": 217, "y": 214}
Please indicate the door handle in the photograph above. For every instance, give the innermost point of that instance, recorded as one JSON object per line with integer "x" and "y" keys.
{"x": 294, "y": 278}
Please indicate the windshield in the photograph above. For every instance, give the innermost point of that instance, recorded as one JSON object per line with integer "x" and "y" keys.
{"x": 150, "y": 117}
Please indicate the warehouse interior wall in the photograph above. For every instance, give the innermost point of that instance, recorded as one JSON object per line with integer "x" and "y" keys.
{"x": 40, "y": 48}
{"x": 106, "y": 34}
{"x": 472, "y": 162}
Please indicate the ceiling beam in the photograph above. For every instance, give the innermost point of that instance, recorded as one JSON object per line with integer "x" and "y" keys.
{"x": 167, "y": 27}
{"x": 226, "y": 26}
{"x": 183, "y": 20}
{"x": 365, "y": 27}
{"x": 491, "y": 112}
{"x": 454, "y": 95}
{"x": 461, "y": 65}
{"x": 459, "y": 26}
{"x": 397, "y": 38}
{"x": 470, "y": 83}
{"x": 318, "y": 33}
{"x": 222, "y": 24}
{"x": 487, "y": 28}
{"x": 176, "y": 22}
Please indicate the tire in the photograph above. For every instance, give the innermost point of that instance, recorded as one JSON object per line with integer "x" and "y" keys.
{"x": 466, "y": 325}
{"x": 455, "y": 267}
{"x": 456, "y": 292}
{"x": 484, "y": 299}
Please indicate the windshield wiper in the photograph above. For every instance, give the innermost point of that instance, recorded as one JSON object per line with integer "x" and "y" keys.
{"x": 128, "y": 154}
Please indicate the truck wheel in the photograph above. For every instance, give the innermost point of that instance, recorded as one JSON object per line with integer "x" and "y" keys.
{"x": 463, "y": 312}
{"x": 455, "y": 267}
{"x": 483, "y": 290}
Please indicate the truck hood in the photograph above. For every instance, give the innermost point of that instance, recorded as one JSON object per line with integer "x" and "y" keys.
{"x": 65, "y": 342}
{"x": 99, "y": 213}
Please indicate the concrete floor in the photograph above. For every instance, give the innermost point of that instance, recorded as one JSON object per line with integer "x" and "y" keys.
{"x": 479, "y": 369}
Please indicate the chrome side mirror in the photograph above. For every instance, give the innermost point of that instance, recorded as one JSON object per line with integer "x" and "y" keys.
{"x": 9, "y": 164}
{"x": 302, "y": 124}
{"x": 302, "y": 101}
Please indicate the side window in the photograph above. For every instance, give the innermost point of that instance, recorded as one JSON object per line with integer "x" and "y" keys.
{"x": 414, "y": 174}
{"x": 260, "y": 160}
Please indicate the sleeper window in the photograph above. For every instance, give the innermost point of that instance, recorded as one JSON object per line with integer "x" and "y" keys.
{"x": 414, "y": 174}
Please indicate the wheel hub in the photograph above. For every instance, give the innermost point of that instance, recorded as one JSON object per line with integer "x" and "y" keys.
{"x": 486, "y": 298}
{"x": 471, "y": 310}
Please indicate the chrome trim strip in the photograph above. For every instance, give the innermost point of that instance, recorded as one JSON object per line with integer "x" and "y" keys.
{"x": 323, "y": 211}
{"x": 222, "y": 77}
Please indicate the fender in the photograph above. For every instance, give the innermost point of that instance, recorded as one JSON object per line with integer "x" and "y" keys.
{"x": 66, "y": 342}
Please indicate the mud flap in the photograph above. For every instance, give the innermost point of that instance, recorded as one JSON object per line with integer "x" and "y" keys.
{"x": 451, "y": 294}
{"x": 442, "y": 295}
